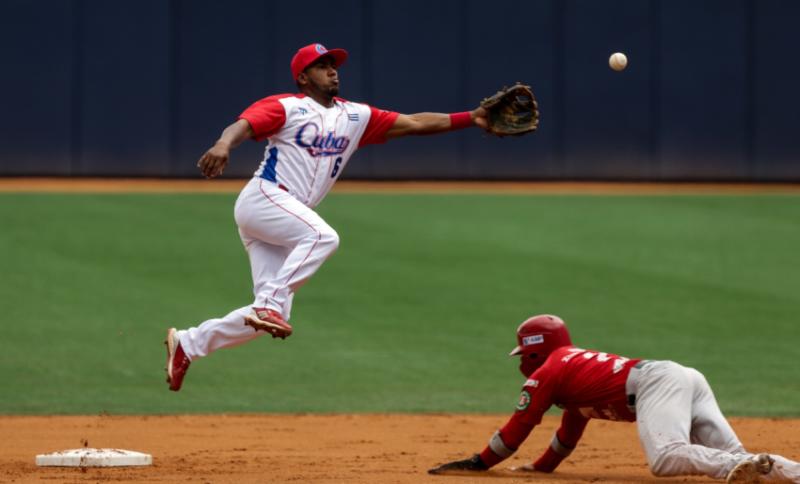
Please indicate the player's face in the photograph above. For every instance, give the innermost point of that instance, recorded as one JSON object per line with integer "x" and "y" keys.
{"x": 323, "y": 77}
{"x": 528, "y": 365}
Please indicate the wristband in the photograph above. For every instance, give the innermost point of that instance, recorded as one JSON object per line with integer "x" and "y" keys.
{"x": 460, "y": 120}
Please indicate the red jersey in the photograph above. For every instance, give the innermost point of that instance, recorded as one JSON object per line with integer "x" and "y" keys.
{"x": 586, "y": 384}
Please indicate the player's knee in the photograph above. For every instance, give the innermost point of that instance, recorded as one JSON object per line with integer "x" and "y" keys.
{"x": 329, "y": 239}
{"x": 700, "y": 382}
{"x": 701, "y": 378}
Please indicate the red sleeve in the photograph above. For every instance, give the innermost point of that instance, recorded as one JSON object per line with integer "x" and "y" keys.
{"x": 537, "y": 393}
{"x": 535, "y": 399}
{"x": 380, "y": 122}
{"x": 513, "y": 434}
{"x": 565, "y": 440}
{"x": 266, "y": 116}
{"x": 572, "y": 427}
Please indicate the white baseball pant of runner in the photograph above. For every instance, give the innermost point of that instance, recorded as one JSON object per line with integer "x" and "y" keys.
{"x": 286, "y": 243}
{"x": 682, "y": 429}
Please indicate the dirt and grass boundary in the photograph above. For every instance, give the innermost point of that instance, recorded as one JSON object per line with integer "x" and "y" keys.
{"x": 155, "y": 185}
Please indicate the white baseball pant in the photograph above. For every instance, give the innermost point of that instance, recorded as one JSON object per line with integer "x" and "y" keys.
{"x": 286, "y": 243}
{"x": 681, "y": 427}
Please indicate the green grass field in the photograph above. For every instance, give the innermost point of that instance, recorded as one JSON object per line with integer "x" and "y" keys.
{"x": 415, "y": 313}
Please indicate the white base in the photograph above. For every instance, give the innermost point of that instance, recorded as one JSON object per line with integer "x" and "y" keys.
{"x": 88, "y": 457}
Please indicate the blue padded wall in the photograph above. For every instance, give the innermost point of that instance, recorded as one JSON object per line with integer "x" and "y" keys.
{"x": 144, "y": 87}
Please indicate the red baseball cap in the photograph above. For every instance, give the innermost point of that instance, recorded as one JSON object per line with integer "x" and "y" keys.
{"x": 310, "y": 53}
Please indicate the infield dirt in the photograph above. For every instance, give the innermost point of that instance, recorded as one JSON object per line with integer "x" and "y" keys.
{"x": 335, "y": 448}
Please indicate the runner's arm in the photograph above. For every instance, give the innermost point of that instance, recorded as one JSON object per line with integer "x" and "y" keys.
{"x": 564, "y": 441}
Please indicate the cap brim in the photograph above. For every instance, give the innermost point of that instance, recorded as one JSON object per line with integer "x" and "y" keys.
{"x": 516, "y": 351}
{"x": 339, "y": 55}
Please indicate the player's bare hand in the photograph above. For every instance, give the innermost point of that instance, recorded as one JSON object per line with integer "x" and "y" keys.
{"x": 213, "y": 161}
{"x": 523, "y": 468}
{"x": 479, "y": 118}
{"x": 474, "y": 463}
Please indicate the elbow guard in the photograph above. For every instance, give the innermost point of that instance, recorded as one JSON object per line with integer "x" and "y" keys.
{"x": 499, "y": 447}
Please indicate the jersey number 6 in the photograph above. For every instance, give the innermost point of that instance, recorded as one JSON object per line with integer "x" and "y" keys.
{"x": 336, "y": 166}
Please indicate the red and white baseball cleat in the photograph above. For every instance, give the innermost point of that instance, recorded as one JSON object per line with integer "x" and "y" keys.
{"x": 270, "y": 321}
{"x": 177, "y": 361}
{"x": 750, "y": 470}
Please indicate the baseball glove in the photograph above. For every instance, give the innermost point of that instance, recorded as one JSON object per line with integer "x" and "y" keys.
{"x": 512, "y": 111}
{"x": 474, "y": 463}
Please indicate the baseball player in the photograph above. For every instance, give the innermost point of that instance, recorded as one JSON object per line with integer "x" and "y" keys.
{"x": 680, "y": 425}
{"x": 310, "y": 136}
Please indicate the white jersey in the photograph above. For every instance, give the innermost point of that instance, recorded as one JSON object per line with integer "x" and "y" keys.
{"x": 309, "y": 144}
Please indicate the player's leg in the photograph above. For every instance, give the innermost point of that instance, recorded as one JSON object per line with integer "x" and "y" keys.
{"x": 273, "y": 221}
{"x": 230, "y": 330}
{"x": 279, "y": 219}
{"x": 287, "y": 307}
{"x": 664, "y": 396}
{"x": 711, "y": 429}
{"x": 784, "y": 469}
{"x": 185, "y": 346}
{"x": 217, "y": 333}
{"x": 266, "y": 261}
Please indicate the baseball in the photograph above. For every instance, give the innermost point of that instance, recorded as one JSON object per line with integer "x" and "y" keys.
{"x": 617, "y": 61}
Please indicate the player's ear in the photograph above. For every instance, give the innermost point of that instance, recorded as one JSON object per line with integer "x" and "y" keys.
{"x": 302, "y": 79}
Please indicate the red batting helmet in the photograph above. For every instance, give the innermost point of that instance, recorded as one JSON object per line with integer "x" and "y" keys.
{"x": 537, "y": 337}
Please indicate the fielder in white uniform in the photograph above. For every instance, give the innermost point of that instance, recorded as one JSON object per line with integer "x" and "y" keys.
{"x": 310, "y": 137}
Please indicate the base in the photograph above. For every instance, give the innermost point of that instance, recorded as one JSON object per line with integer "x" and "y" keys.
{"x": 88, "y": 457}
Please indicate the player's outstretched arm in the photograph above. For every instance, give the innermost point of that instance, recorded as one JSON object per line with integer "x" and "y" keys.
{"x": 498, "y": 449}
{"x": 433, "y": 123}
{"x": 213, "y": 161}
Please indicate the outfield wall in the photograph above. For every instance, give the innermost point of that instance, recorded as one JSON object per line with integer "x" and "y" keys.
{"x": 142, "y": 87}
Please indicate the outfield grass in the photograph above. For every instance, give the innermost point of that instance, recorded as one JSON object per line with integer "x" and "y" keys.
{"x": 415, "y": 313}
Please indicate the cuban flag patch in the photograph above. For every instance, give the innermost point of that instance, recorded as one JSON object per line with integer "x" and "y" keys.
{"x": 352, "y": 117}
